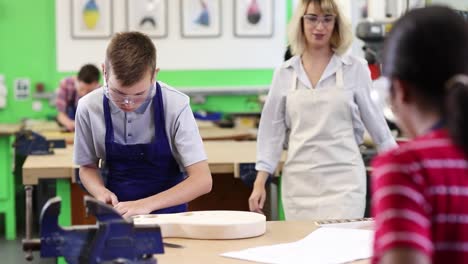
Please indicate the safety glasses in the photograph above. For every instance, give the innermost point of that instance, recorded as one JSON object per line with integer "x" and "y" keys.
{"x": 126, "y": 99}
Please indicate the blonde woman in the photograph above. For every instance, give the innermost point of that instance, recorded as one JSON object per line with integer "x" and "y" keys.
{"x": 321, "y": 96}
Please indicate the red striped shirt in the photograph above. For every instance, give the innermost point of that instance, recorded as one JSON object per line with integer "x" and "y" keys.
{"x": 66, "y": 94}
{"x": 420, "y": 199}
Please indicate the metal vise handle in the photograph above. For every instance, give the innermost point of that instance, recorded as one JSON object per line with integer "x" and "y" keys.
{"x": 29, "y": 244}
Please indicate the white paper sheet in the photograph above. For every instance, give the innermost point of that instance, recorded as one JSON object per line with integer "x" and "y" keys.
{"x": 324, "y": 245}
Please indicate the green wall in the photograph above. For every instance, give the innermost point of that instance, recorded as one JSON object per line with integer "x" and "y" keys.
{"x": 27, "y": 49}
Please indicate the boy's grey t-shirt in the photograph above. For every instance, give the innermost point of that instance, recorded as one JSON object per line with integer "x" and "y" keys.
{"x": 137, "y": 127}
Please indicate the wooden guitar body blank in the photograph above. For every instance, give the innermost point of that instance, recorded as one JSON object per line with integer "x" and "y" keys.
{"x": 207, "y": 224}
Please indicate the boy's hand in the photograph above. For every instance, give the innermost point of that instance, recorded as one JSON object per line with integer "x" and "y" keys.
{"x": 107, "y": 197}
{"x": 131, "y": 208}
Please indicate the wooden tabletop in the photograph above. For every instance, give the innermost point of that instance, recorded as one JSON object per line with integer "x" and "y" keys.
{"x": 226, "y": 156}
{"x": 223, "y": 157}
{"x": 56, "y": 166}
{"x": 207, "y": 251}
{"x": 9, "y": 129}
{"x": 69, "y": 137}
{"x": 40, "y": 126}
{"x": 217, "y": 133}
{"x": 208, "y": 133}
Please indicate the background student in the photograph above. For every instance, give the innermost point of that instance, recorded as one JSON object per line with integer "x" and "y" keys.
{"x": 71, "y": 89}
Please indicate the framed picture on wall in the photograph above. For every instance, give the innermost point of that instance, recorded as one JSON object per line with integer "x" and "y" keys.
{"x": 91, "y": 19}
{"x": 200, "y": 18}
{"x": 253, "y": 18}
{"x": 148, "y": 16}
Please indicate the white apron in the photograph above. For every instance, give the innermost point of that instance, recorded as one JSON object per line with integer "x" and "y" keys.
{"x": 324, "y": 174}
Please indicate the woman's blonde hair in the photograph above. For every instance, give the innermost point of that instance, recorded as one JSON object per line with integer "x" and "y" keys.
{"x": 341, "y": 37}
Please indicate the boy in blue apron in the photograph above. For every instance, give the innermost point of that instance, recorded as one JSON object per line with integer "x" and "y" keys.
{"x": 71, "y": 89}
{"x": 144, "y": 131}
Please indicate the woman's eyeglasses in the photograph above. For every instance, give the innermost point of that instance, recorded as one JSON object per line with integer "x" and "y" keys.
{"x": 314, "y": 20}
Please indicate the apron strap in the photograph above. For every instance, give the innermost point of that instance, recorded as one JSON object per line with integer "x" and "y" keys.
{"x": 339, "y": 78}
{"x": 158, "y": 114}
{"x": 108, "y": 119}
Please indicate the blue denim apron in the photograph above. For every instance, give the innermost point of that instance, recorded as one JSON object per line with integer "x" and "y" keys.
{"x": 141, "y": 170}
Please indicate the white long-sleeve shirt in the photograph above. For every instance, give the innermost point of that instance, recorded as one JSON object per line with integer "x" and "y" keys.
{"x": 274, "y": 122}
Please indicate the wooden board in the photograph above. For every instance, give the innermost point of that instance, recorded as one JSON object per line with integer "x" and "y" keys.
{"x": 207, "y": 224}
{"x": 216, "y": 133}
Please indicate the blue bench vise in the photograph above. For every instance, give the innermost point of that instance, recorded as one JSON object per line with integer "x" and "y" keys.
{"x": 31, "y": 143}
{"x": 112, "y": 240}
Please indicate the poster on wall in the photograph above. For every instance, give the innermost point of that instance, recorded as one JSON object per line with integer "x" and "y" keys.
{"x": 148, "y": 16}
{"x": 91, "y": 19}
{"x": 200, "y": 18}
{"x": 21, "y": 88}
{"x": 220, "y": 50}
{"x": 253, "y": 18}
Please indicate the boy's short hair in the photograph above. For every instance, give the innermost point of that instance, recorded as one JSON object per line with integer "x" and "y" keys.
{"x": 89, "y": 74}
{"x": 130, "y": 55}
{"x": 342, "y": 35}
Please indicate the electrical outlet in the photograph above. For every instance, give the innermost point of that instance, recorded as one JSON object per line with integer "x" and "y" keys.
{"x": 37, "y": 106}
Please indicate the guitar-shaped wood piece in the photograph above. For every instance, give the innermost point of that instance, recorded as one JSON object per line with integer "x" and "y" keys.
{"x": 207, "y": 224}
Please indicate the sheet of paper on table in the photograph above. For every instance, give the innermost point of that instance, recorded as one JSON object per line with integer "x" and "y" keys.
{"x": 324, "y": 245}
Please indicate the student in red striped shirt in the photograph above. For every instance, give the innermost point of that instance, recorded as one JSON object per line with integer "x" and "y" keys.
{"x": 420, "y": 190}
{"x": 71, "y": 89}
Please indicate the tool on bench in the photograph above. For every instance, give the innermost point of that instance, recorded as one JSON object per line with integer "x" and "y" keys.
{"x": 31, "y": 143}
{"x": 112, "y": 240}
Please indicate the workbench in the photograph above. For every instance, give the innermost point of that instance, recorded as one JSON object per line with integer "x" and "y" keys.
{"x": 207, "y": 133}
{"x": 224, "y": 159}
{"x": 7, "y": 180}
{"x": 207, "y": 251}
{"x": 58, "y": 166}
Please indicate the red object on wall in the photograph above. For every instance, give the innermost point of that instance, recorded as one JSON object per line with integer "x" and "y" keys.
{"x": 375, "y": 71}
{"x": 40, "y": 87}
